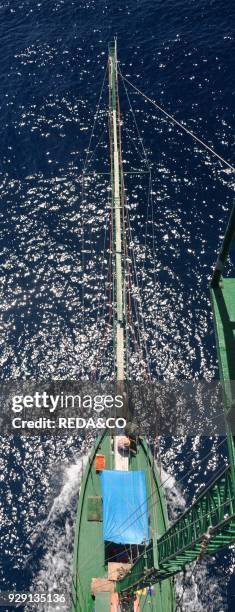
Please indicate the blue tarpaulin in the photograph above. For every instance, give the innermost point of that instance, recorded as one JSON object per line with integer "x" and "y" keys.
{"x": 125, "y": 511}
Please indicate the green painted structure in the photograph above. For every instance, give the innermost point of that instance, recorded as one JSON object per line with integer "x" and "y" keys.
{"x": 205, "y": 527}
{"x": 223, "y": 304}
{"x": 91, "y": 554}
{"x": 213, "y": 513}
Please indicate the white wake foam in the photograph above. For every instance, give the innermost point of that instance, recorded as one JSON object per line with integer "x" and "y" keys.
{"x": 55, "y": 570}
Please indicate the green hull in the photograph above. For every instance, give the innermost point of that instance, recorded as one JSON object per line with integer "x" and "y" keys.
{"x": 90, "y": 560}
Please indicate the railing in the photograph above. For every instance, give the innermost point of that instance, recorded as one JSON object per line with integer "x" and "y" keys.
{"x": 209, "y": 524}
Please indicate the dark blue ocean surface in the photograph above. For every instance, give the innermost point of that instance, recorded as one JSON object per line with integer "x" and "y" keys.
{"x": 53, "y": 59}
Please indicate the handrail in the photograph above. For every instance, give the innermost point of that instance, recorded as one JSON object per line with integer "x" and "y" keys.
{"x": 206, "y": 526}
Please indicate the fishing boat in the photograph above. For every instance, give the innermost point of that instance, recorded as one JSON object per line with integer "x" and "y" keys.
{"x": 115, "y": 521}
{"x": 125, "y": 552}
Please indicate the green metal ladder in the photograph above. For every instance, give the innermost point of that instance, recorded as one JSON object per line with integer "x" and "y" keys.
{"x": 209, "y": 524}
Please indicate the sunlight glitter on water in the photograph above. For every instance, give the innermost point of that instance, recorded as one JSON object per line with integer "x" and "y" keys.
{"x": 51, "y": 242}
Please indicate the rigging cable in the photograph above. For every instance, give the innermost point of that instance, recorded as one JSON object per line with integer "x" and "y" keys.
{"x": 136, "y": 124}
{"x": 138, "y": 300}
{"x": 140, "y": 350}
{"x": 139, "y": 342}
{"x": 154, "y": 502}
{"x": 100, "y": 310}
{"x": 218, "y": 474}
{"x": 148, "y": 166}
{"x": 125, "y": 245}
{"x": 149, "y": 201}
{"x": 203, "y": 144}
{"x": 149, "y": 497}
{"x": 180, "y": 531}
{"x": 95, "y": 118}
{"x": 88, "y": 159}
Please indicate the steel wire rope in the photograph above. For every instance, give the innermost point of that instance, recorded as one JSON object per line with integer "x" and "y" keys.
{"x": 100, "y": 310}
{"x": 139, "y": 293}
{"x": 89, "y": 242}
{"x": 126, "y": 244}
{"x": 128, "y": 292}
{"x": 85, "y": 174}
{"x": 83, "y": 201}
{"x": 139, "y": 342}
{"x": 217, "y": 474}
{"x": 130, "y": 139}
{"x": 131, "y": 321}
{"x": 85, "y": 165}
{"x": 101, "y": 275}
{"x": 139, "y": 296}
{"x": 189, "y": 132}
{"x": 144, "y": 152}
{"x": 164, "y": 112}
{"x": 145, "y": 240}
{"x": 135, "y": 122}
{"x": 149, "y": 199}
{"x": 160, "y": 486}
{"x": 131, "y": 326}
{"x": 170, "y": 476}
{"x": 145, "y": 156}
{"x": 209, "y": 513}
{"x": 189, "y": 525}
{"x": 154, "y": 270}
{"x": 103, "y": 307}
{"x": 143, "y": 268}
{"x": 95, "y": 118}
{"x": 83, "y": 263}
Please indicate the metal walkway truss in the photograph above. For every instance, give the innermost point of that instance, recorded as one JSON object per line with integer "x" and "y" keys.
{"x": 207, "y": 526}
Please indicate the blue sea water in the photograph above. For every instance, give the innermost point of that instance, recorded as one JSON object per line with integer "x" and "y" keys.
{"x": 52, "y": 64}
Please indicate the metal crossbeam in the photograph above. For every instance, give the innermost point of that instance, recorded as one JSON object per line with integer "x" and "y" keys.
{"x": 209, "y": 524}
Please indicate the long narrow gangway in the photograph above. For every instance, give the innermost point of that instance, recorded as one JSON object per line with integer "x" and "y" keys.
{"x": 119, "y": 331}
{"x": 209, "y": 524}
{"x": 206, "y": 526}
{"x": 117, "y": 209}
{"x": 120, "y": 473}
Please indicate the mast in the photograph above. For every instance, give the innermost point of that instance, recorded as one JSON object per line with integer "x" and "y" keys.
{"x": 117, "y": 207}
